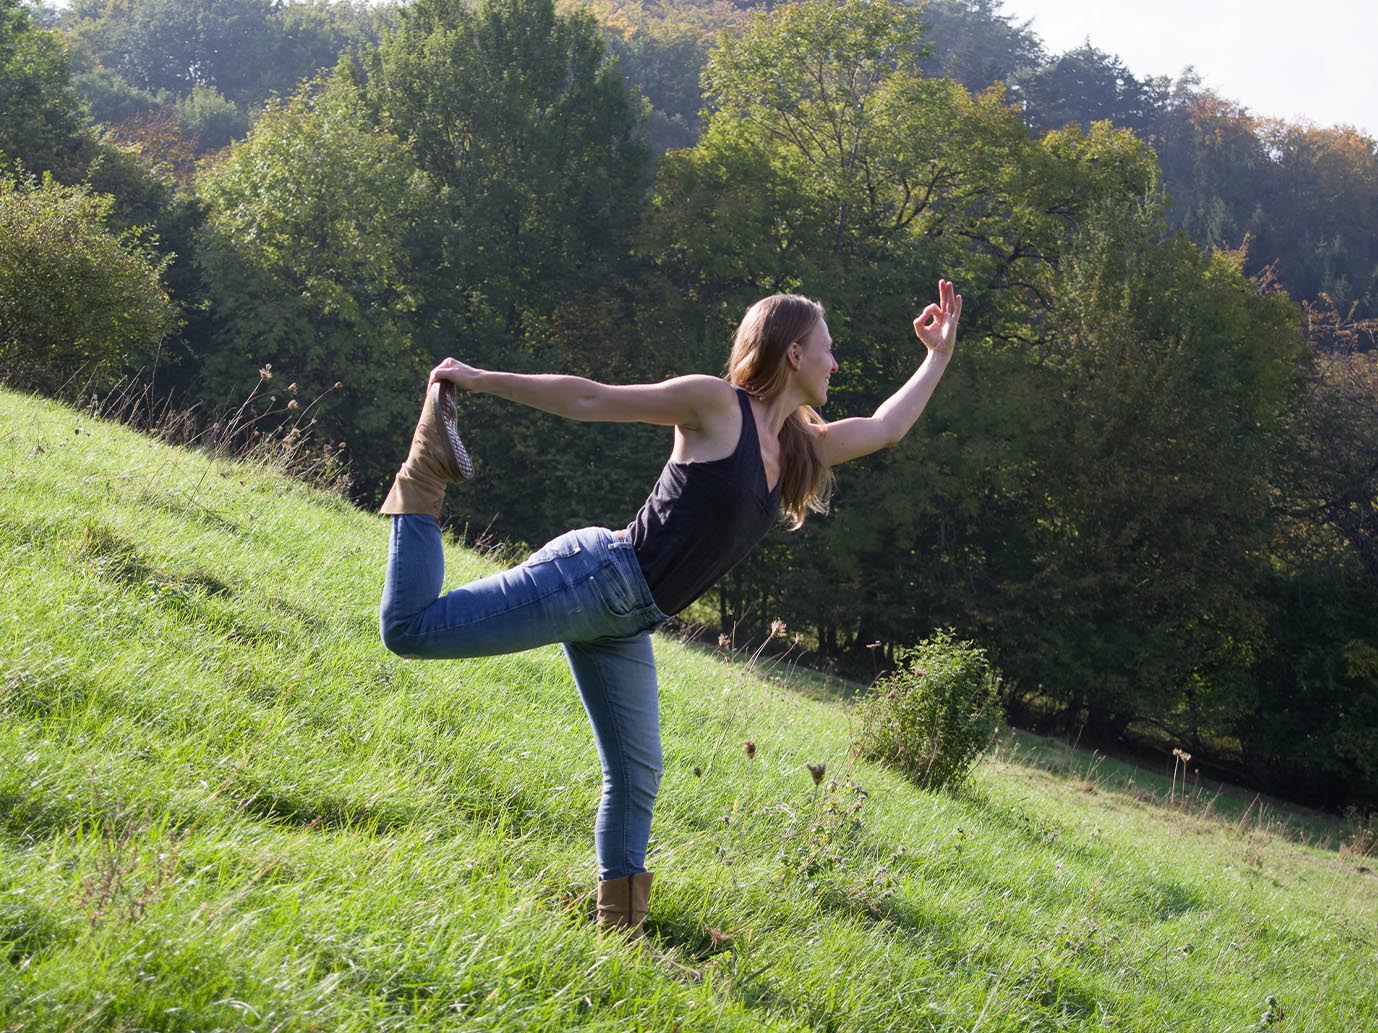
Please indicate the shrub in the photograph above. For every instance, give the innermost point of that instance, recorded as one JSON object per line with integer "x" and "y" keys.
{"x": 935, "y": 714}
{"x": 78, "y": 302}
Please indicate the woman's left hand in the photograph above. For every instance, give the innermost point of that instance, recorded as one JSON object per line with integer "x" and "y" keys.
{"x": 461, "y": 374}
{"x": 936, "y": 326}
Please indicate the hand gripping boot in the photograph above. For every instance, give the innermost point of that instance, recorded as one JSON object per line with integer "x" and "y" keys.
{"x": 437, "y": 458}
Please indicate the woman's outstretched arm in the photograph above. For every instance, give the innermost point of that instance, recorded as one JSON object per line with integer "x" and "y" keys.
{"x": 689, "y": 401}
{"x": 936, "y": 327}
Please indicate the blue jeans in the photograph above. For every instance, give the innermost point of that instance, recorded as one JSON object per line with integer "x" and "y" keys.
{"x": 584, "y": 590}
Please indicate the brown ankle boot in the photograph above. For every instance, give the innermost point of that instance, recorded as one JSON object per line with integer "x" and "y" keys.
{"x": 437, "y": 457}
{"x": 622, "y": 903}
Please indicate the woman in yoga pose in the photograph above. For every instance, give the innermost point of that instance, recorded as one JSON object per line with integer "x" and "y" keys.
{"x": 748, "y": 448}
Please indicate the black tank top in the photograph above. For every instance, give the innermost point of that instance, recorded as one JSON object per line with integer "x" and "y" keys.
{"x": 702, "y": 518}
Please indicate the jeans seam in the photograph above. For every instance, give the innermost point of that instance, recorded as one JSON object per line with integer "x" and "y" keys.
{"x": 499, "y": 613}
{"x": 396, "y": 533}
{"x": 562, "y": 586}
{"x": 624, "y": 820}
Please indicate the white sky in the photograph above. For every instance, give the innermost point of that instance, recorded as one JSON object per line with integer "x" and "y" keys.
{"x": 1315, "y": 60}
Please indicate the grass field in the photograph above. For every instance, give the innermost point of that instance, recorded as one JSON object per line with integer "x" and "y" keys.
{"x": 223, "y": 805}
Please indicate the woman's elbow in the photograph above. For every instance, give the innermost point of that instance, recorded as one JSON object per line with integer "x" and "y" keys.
{"x": 889, "y": 435}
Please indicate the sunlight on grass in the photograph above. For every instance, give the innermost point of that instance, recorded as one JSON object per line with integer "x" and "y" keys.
{"x": 225, "y": 805}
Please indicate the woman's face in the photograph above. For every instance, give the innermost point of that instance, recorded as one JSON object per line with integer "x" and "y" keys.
{"x": 815, "y": 363}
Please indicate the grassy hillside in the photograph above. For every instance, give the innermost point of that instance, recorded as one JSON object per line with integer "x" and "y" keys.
{"x": 223, "y": 805}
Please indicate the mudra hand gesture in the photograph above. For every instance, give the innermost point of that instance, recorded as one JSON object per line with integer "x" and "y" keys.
{"x": 936, "y": 325}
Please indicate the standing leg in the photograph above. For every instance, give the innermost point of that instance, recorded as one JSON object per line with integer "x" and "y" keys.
{"x": 617, "y": 682}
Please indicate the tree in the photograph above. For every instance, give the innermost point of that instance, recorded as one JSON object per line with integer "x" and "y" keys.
{"x": 1085, "y": 86}
{"x": 175, "y": 45}
{"x": 1320, "y": 204}
{"x": 831, "y": 166}
{"x": 971, "y": 42}
{"x": 664, "y": 64}
{"x": 529, "y": 142}
{"x": 529, "y": 135}
{"x": 1332, "y": 466}
{"x": 1307, "y": 719}
{"x": 308, "y": 36}
{"x": 79, "y": 304}
{"x": 1136, "y": 576}
{"x": 1214, "y": 166}
{"x": 313, "y": 252}
{"x": 41, "y": 118}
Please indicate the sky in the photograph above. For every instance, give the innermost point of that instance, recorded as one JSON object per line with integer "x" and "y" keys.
{"x": 1316, "y": 60}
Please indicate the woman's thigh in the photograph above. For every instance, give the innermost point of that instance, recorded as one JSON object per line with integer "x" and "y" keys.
{"x": 556, "y": 595}
{"x": 616, "y": 678}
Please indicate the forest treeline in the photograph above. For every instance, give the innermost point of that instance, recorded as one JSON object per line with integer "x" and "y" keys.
{"x": 1148, "y": 486}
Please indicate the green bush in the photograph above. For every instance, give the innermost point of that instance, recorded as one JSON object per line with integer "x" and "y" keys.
{"x": 935, "y": 714}
{"x": 79, "y": 303}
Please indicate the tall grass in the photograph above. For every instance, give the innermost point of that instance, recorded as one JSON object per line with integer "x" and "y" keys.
{"x": 224, "y": 806}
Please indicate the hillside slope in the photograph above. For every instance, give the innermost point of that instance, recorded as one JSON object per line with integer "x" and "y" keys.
{"x": 223, "y": 805}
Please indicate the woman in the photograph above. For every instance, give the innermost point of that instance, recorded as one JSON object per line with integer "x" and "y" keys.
{"x": 746, "y": 448}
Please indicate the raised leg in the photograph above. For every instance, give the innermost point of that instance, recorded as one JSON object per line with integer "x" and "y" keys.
{"x": 572, "y": 589}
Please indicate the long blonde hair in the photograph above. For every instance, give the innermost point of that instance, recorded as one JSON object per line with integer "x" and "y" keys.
{"x": 757, "y": 365}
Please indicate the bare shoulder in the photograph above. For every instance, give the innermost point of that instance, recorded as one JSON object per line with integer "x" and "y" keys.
{"x": 717, "y": 420}
{"x": 712, "y": 402}
{"x": 709, "y": 393}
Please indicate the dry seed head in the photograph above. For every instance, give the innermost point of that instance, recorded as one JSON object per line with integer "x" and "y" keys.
{"x": 750, "y": 747}
{"x": 818, "y": 771}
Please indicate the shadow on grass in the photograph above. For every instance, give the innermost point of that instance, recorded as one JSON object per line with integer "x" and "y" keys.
{"x": 25, "y": 931}
{"x": 327, "y": 812}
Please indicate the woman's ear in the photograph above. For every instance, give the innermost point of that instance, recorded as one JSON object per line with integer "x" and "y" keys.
{"x": 792, "y": 354}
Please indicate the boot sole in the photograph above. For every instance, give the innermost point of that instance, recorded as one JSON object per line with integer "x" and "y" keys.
{"x": 447, "y": 416}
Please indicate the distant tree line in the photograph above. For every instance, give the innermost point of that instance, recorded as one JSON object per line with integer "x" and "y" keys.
{"x": 1148, "y": 487}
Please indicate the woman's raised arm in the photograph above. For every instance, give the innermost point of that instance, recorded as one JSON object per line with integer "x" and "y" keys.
{"x": 689, "y": 401}
{"x": 936, "y": 327}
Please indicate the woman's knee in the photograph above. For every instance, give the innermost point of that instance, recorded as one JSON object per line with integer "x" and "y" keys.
{"x": 398, "y": 636}
{"x": 638, "y": 783}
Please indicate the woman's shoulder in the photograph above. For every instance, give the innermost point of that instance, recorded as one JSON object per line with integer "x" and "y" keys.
{"x": 709, "y": 392}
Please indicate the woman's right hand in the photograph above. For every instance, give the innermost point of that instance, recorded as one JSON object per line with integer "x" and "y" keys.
{"x": 936, "y": 326}
{"x": 458, "y": 373}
